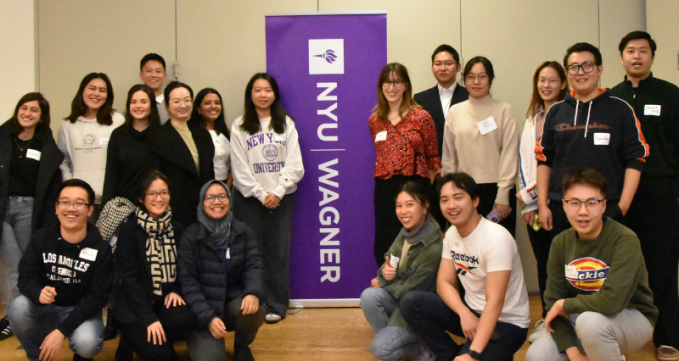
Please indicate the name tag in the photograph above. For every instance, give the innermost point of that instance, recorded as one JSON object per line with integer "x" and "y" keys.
{"x": 571, "y": 272}
{"x": 652, "y": 110}
{"x": 487, "y": 125}
{"x": 33, "y": 154}
{"x": 228, "y": 253}
{"x": 103, "y": 142}
{"x": 393, "y": 261}
{"x": 602, "y": 138}
{"x": 381, "y": 136}
{"x": 89, "y": 254}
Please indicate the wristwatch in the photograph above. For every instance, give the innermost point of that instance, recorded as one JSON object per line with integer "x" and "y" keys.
{"x": 475, "y": 355}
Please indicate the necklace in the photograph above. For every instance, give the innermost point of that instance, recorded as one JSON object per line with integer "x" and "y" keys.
{"x": 391, "y": 120}
{"x": 24, "y": 147}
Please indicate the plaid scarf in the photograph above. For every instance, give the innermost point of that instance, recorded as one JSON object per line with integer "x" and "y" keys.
{"x": 161, "y": 250}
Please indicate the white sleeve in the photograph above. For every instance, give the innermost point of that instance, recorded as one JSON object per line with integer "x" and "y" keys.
{"x": 293, "y": 170}
{"x": 67, "y": 165}
{"x": 244, "y": 180}
{"x": 445, "y": 253}
{"x": 499, "y": 251}
{"x": 526, "y": 156}
{"x": 449, "y": 161}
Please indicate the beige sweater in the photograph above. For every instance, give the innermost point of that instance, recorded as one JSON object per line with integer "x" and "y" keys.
{"x": 489, "y": 158}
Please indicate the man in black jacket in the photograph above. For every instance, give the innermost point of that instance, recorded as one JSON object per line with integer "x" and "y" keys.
{"x": 654, "y": 211}
{"x": 65, "y": 281}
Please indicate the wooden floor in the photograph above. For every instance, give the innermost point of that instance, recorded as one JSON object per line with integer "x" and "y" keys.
{"x": 337, "y": 334}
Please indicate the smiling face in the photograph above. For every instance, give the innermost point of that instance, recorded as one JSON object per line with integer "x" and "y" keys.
{"x": 457, "y": 206}
{"x": 211, "y": 107}
{"x": 153, "y": 75}
{"x": 95, "y": 94}
{"x": 410, "y": 211}
{"x": 179, "y": 105}
{"x": 157, "y": 198}
{"x": 637, "y": 58}
{"x": 73, "y": 209}
{"x": 140, "y": 105}
{"x": 216, "y": 209}
{"x": 583, "y": 83}
{"x": 445, "y": 68}
{"x": 262, "y": 95}
{"x": 394, "y": 93}
{"x": 550, "y": 84}
{"x": 477, "y": 82}
{"x": 587, "y": 220}
{"x": 29, "y": 115}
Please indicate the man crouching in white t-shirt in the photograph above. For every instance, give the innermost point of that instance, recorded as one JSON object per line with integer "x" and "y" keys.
{"x": 494, "y": 314}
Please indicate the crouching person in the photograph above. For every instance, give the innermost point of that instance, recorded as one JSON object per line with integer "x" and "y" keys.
{"x": 65, "y": 281}
{"x": 597, "y": 294}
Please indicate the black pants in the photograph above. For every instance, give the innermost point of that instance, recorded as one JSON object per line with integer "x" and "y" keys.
{"x": 655, "y": 220}
{"x": 541, "y": 242}
{"x": 387, "y": 224}
{"x": 488, "y": 193}
{"x": 178, "y": 323}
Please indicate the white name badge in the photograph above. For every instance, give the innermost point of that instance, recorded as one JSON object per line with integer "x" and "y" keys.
{"x": 381, "y": 136}
{"x": 602, "y": 138}
{"x": 571, "y": 272}
{"x": 33, "y": 154}
{"x": 487, "y": 125}
{"x": 652, "y": 110}
{"x": 103, "y": 142}
{"x": 89, "y": 254}
{"x": 393, "y": 261}
{"x": 228, "y": 253}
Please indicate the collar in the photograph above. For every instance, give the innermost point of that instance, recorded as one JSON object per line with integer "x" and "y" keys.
{"x": 160, "y": 98}
{"x": 441, "y": 89}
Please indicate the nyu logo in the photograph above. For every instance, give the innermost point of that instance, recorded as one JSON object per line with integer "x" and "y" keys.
{"x": 326, "y": 56}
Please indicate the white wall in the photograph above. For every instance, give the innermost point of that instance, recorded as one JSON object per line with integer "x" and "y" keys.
{"x": 663, "y": 25}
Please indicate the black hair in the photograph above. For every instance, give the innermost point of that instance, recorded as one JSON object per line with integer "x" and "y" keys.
{"x": 220, "y": 122}
{"x": 583, "y": 47}
{"x": 637, "y": 35}
{"x": 486, "y": 64}
{"x": 462, "y": 181}
{"x": 447, "y": 48}
{"x": 416, "y": 190}
{"x": 78, "y": 106}
{"x": 172, "y": 86}
{"x": 75, "y": 182}
{"x": 153, "y": 118}
{"x": 145, "y": 183}
{"x": 152, "y": 56}
{"x": 43, "y": 126}
{"x": 587, "y": 177}
{"x": 278, "y": 113}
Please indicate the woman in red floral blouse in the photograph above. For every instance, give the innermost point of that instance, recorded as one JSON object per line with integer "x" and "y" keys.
{"x": 406, "y": 146}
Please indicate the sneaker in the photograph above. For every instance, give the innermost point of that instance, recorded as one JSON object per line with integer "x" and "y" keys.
{"x": 623, "y": 357}
{"x": 667, "y": 353}
{"x": 5, "y": 330}
{"x": 273, "y": 318}
{"x": 539, "y": 326}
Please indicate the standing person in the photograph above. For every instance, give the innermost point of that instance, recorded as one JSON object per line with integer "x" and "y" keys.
{"x": 654, "y": 211}
{"x": 480, "y": 139}
{"x": 129, "y": 155}
{"x": 65, "y": 281}
{"x": 411, "y": 264}
{"x": 152, "y": 73}
{"x": 30, "y": 177}
{"x": 406, "y": 149}
{"x": 185, "y": 152}
{"x": 149, "y": 309}
{"x": 600, "y": 302}
{"x": 593, "y": 129}
{"x": 494, "y": 315}
{"x": 267, "y": 165}
{"x": 220, "y": 253}
{"x": 549, "y": 86}
{"x": 208, "y": 113}
{"x": 85, "y": 134}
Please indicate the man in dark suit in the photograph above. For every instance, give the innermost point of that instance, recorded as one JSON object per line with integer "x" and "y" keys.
{"x": 445, "y": 64}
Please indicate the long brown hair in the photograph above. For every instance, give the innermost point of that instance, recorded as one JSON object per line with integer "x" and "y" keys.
{"x": 43, "y": 126}
{"x": 153, "y": 117}
{"x": 536, "y": 101}
{"x": 382, "y": 107}
{"x": 78, "y": 107}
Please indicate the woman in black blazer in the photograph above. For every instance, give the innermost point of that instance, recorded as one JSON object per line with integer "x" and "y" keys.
{"x": 29, "y": 178}
{"x": 186, "y": 151}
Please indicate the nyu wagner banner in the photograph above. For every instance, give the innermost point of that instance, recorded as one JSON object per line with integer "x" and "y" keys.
{"x": 327, "y": 67}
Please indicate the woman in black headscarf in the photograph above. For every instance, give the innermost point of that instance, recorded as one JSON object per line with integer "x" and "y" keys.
{"x": 221, "y": 275}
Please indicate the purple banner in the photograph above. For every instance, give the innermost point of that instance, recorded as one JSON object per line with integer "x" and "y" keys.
{"x": 326, "y": 66}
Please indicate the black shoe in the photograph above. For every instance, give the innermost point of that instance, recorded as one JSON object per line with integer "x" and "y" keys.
{"x": 5, "y": 330}
{"x": 124, "y": 352}
{"x": 77, "y": 357}
{"x": 242, "y": 353}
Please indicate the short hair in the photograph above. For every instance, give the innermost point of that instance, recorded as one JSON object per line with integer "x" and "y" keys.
{"x": 172, "y": 86}
{"x": 152, "y": 56}
{"x": 462, "y": 181}
{"x": 43, "y": 126}
{"x": 220, "y": 122}
{"x": 447, "y": 48}
{"x": 416, "y": 190}
{"x": 637, "y": 35}
{"x": 486, "y": 64}
{"x": 79, "y": 183}
{"x": 382, "y": 107}
{"x": 586, "y": 177}
{"x": 145, "y": 183}
{"x": 154, "y": 118}
{"x": 583, "y": 47}
{"x": 78, "y": 106}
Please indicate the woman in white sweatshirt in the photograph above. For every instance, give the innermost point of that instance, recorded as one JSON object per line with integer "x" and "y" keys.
{"x": 84, "y": 135}
{"x": 267, "y": 165}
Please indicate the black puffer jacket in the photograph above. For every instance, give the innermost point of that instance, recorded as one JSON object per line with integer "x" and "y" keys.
{"x": 206, "y": 284}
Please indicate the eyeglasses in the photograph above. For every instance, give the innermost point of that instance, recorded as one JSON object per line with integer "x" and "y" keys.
{"x": 439, "y": 64}
{"x": 472, "y": 78}
{"x": 586, "y": 67}
{"x": 154, "y": 195}
{"x": 551, "y": 81}
{"x": 395, "y": 83}
{"x": 179, "y": 101}
{"x": 575, "y": 203}
{"x": 210, "y": 198}
{"x": 76, "y": 205}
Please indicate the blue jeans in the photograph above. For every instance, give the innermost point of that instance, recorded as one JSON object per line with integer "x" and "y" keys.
{"x": 16, "y": 234}
{"x": 391, "y": 342}
{"x": 31, "y": 323}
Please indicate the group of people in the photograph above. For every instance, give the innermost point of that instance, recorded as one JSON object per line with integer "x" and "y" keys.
{"x": 192, "y": 230}
{"x": 598, "y": 174}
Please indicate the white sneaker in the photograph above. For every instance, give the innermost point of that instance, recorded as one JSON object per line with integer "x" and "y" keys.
{"x": 273, "y": 318}
{"x": 539, "y": 326}
{"x": 667, "y": 353}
